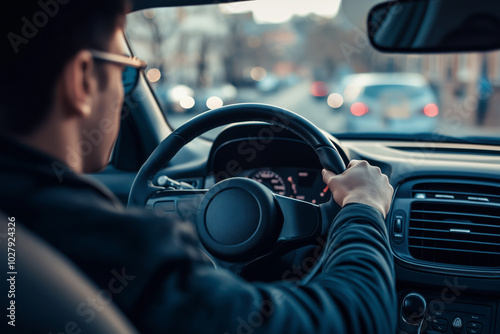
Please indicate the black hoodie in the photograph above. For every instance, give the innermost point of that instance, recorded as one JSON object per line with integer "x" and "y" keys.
{"x": 166, "y": 286}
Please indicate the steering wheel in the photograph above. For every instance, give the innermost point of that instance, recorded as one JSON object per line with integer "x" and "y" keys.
{"x": 239, "y": 219}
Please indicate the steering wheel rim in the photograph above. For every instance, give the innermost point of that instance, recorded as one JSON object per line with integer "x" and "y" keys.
{"x": 143, "y": 187}
{"x": 257, "y": 222}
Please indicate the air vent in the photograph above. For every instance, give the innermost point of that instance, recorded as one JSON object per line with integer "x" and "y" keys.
{"x": 448, "y": 232}
{"x": 456, "y": 191}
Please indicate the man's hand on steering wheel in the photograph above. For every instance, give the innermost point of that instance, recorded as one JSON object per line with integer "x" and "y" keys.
{"x": 360, "y": 183}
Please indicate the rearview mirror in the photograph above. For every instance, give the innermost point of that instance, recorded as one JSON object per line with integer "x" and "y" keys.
{"x": 419, "y": 26}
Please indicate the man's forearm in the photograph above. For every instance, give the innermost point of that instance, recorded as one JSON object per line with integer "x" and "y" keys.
{"x": 358, "y": 267}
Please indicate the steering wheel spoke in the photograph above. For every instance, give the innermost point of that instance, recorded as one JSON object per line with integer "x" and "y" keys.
{"x": 178, "y": 204}
{"x": 301, "y": 220}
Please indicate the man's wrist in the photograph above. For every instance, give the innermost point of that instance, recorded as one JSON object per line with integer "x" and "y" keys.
{"x": 366, "y": 201}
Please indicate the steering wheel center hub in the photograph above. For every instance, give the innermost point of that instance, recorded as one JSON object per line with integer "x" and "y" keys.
{"x": 241, "y": 219}
{"x": 246, "y": 228}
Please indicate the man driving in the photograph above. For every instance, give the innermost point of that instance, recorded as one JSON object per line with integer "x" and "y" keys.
{"x": 62, "y": 67}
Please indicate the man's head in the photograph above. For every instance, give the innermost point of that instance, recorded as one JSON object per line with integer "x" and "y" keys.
{"x": 53, "y": 86}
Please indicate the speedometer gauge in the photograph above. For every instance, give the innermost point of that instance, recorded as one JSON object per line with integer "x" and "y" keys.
{"x": 271, "y": 180}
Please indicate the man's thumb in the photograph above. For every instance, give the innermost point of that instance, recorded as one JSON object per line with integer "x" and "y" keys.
{"x": 327, "y": 176}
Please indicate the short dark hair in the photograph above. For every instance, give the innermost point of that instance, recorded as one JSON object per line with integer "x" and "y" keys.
{"x": 38, "y": 38}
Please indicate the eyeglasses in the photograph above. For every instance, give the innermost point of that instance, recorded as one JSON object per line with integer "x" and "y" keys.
{"x": 133, "y": 67}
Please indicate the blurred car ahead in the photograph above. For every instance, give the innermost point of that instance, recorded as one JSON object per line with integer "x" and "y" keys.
{"x": 183, "y": 99}
{"x": 319, "y": 89}
{"x": 395, "y": 102}
{"x": 269, "y": 84}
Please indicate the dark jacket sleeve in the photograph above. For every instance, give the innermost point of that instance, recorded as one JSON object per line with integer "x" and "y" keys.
{"x": 352, "y": 292}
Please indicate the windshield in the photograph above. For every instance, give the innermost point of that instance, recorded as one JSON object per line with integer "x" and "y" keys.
{"x": 314, "y": 58}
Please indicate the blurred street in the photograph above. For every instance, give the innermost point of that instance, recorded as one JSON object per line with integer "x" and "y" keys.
{"x": 297, "y": 99}
{"x": 235, "y": 57}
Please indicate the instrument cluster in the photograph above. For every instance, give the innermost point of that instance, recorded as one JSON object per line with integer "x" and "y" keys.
{"x": 304, "y": 184}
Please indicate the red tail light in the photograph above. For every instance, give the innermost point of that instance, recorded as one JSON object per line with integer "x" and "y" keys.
{"x": 319, "y": 89}
{"x": 431, "y": 110}
{"x": 359, "y": 109}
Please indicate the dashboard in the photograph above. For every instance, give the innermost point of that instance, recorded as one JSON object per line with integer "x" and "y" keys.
{"x": 444, "y": 224}
{"x": 444, "y": 230}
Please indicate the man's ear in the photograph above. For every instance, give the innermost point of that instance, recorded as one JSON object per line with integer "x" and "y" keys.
{"x": 78, "y": 84}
